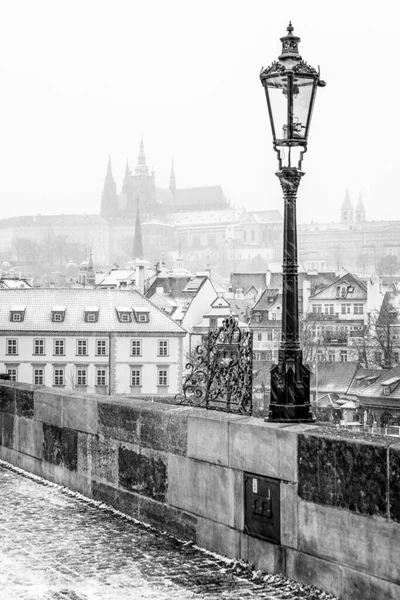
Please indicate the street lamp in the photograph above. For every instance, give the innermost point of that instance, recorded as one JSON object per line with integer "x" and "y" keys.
{"x": 290, "y": 87}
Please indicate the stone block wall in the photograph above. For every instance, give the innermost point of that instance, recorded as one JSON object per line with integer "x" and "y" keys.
{"x": 182, "y": 470}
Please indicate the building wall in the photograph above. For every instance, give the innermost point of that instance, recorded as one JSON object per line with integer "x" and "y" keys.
{"x": 333, "y": 528}
{"x": 117, "y": 362}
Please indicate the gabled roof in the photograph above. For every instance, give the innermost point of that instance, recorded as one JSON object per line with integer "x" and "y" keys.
{"x": 330, "y": 291}
{"x": 267, "y": 299}
{"x": 39, "y": 303}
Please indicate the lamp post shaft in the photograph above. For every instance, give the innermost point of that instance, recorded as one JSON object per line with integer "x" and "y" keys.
{"x": 290, "y": 379}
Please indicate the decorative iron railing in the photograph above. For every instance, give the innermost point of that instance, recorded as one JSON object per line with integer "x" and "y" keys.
{"x": 221, "y": 374}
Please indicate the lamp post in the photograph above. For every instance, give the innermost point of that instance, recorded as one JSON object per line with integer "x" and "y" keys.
{"x": 290, "y": 87}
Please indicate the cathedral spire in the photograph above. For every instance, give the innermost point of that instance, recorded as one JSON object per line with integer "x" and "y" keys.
{"x": 141, "y": 166}
{"x": 137, "y": 241}
{"x": 109, "y": 195}
{"x": 126, "y": 184}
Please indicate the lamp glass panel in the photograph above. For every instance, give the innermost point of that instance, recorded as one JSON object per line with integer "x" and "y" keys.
{"x": 303, "y": 88}
{"x": 277, "y": 92}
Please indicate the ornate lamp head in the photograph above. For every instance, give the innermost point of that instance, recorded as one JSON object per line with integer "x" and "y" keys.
{"x": 290, "y": 87}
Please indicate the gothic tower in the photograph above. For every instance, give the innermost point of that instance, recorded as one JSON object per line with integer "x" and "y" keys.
{"x": 347, "y": 210}
{"x": 361, "y": 213}
{"x": 109, "y": 206}
{"x": 142, "y": 186}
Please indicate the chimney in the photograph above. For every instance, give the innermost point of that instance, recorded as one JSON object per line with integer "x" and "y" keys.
{"x": 268, "y": 278}
{"x": 140, "y": 278}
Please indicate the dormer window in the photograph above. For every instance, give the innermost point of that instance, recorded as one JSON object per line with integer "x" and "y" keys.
{"x": 142, "y": 317}
{"x": 58, "y": 314}
{"x": 91, "y": 314}
{"x": 124, "y": 314}
{"x": 390, "y": 385}
{"x": 17, "y": 314}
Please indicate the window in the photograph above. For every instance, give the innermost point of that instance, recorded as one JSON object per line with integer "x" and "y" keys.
{"x": 12, "y": 346}
{"x": 213, "y": 322}
{"x": 386, "y": 390}
{"x": 13, "y": 373}
{"x": 259, "y": 337}
{"x": 38, "y": 347}
{"x": 358, "y": 309}
{"x": 345, "y": 309}
{"x": 136, "y": 378}
{"x": 136, "y": 348}
{"x": 343, "y": 356}
{"x": 58, "y": 314}
{"x": 91, "y": 314}
{"x": 38, "y": 376}
{"x": 59, "y": 376}
{"x": 16, "y": 316}
{"x": 124, "y": 314}
{"x": 101, "y": 377}
{"x": 142, "y": 317}
{"x": 273, "y": 316}
{"x": 81, "y": 376}
{"x": 163, "y": 348}
{"x": 317, "y": 308}
{"x": 59, "y": 347}
{"x": 81, "y": 347}
{"x": 101, "y": 347}
{"x": 328, "y": 309}
{"x": 331, "y": 356}
{"x": 378, "y": 357}
{"x": 269, "y": 336}
{"x": 162, "y": 379}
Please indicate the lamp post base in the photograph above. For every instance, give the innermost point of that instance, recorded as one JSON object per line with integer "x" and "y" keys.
{"x": 290, "y": 413}
{"x": 290, "y": 389}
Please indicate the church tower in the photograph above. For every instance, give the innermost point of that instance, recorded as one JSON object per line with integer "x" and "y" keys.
{"x": 347, "y": 210}
{"x": 361, "y": 213}
{"x": 109, "y": 206}
{"x": 142, "y": 186}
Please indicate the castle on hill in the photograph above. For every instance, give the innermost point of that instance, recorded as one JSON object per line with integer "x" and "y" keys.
{"x": 140, "y": 185}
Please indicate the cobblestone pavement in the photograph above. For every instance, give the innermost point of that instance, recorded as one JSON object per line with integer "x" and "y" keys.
{"x": 59, "y": 546}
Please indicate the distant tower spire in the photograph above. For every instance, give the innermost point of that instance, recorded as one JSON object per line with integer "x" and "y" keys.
{"x": 126, "y": 184}
{"x": 141, "y": 166}
{"x": 137, "y": 241}
{"x": 347, "y": 210}
{"x": 109, "y": 195}
{"x": 361, "y": 214}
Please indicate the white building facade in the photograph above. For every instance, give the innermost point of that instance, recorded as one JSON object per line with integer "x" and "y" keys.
{"x": 97, "y": 341}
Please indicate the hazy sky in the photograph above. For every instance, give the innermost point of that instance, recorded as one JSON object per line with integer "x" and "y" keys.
{"x": 82, "y": 80}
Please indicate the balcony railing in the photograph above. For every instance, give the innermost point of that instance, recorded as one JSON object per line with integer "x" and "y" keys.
{"x": 314, "y": 316}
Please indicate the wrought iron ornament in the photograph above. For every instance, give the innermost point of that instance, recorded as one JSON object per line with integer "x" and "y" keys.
{"x": 221, "y": 375}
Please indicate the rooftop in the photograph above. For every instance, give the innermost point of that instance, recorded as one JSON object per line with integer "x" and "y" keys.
{"x": 39, "y": 303}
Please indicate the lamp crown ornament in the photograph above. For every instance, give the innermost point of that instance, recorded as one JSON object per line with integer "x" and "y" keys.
{"x": 290, "y": 44}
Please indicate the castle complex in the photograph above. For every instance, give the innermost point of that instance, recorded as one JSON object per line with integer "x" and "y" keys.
{"x": 194, "y": 227}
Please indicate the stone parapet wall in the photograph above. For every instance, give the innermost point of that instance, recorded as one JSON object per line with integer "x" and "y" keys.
{"x": 182, "y": 470}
